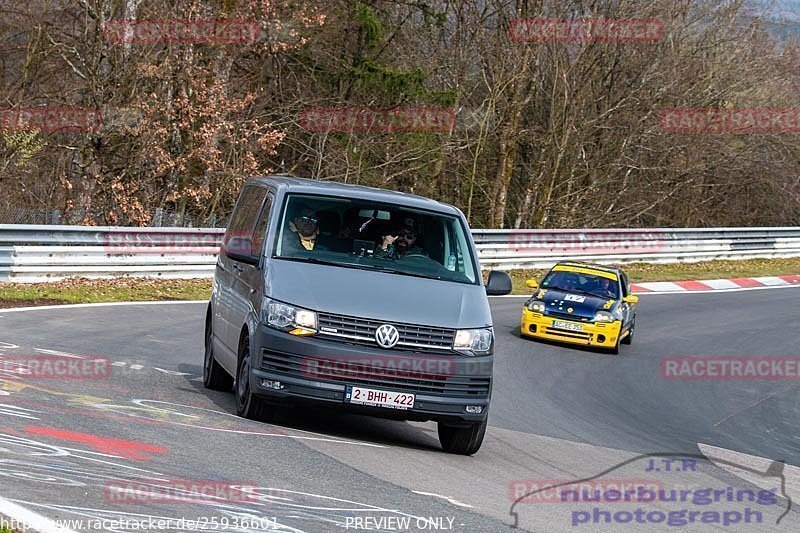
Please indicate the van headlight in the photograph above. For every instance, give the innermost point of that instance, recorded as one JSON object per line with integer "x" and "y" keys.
{"x": 604, "y": 316}
{"x": 285, "y": 317}
{"x": 474, "y": 341}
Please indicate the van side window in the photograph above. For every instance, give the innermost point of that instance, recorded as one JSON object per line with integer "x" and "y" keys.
{"x": 239, "y": 236}
{"x": 260, "y": 233}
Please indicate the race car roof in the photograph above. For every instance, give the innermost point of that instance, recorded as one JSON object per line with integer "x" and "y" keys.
{"x": 588, "y": 268}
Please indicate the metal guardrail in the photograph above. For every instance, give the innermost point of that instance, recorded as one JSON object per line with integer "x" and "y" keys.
{"x": 48, "y": 253}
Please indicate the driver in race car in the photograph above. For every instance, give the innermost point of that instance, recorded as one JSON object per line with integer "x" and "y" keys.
{"x": 604, "y": 288}
{"x": 401, "y": 243}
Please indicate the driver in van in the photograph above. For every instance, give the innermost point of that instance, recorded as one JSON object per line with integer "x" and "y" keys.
{"x": 304, "y": 231}
{"x": 401, "y": 243}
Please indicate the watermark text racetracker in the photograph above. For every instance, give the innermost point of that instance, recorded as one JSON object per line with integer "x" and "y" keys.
{"x": 730, "y": 120}
{"x": 707, "y": 368}
{"x": 397, "y": 365}
{"x": 182, "y": 31}
{"x": 537, "y": 491}
{"x": 583, "y": 30}
{"x": 179, "y": 491}
{"x": 587, "y": 242}
{"x": 54, "y": 367}
{"x": 50, "y": 119}
{"x": 360, "y": 119}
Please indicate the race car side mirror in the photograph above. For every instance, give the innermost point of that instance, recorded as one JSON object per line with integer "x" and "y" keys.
{"x": 632, "y": 299}
{"x": 532, "y": 284}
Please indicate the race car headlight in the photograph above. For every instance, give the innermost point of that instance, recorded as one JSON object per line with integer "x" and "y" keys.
{"x": 536, "y": 306}
{"x": 603, "y": 316}
{"x": 289, "y": 318}
{"x": 474, "y": 341}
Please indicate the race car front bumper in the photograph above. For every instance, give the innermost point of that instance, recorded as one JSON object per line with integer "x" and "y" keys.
{"x": 600, "y": 334}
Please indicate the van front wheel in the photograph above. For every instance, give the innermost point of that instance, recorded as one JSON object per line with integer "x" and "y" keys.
{"x": 248, "y": 405}
{"x": 214, "y": 376}
{"x": 462, "y": 440}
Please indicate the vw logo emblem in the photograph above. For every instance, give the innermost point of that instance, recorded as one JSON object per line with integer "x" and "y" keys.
{"x": 387, "y": 336}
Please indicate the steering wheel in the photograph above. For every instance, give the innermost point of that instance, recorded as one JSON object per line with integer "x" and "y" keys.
{"x": 416, "y": 255}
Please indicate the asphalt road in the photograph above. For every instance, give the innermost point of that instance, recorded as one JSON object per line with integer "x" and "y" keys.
{"x": 559, "y": 414}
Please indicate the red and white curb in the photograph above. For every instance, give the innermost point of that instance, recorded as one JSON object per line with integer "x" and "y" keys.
{"x": 708, "y": 285}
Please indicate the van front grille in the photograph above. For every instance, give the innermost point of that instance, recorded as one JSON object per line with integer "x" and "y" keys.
{"x": 361, "y": 331}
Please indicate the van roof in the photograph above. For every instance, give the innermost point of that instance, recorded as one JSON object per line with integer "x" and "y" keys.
{"x": 347, "y": 190}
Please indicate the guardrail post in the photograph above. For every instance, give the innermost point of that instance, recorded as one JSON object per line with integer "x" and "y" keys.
{"x": 158, "y": 217}
{"x": 55, "y": 217}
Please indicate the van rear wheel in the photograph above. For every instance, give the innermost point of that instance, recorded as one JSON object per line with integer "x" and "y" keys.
{"x": 462, "y": 440}
{"x": 248, "y": 405}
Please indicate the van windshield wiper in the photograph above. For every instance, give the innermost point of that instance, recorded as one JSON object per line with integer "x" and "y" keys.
{"x": 374, "y": 268}
{"x": 314, "y": 260}
{"x": 404, "y": 273}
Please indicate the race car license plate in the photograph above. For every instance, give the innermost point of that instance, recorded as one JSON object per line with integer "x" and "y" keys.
{"x": 379, "y": 398}
{"x": 567, "y": 325}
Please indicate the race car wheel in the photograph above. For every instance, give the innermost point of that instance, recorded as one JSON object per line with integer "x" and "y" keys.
{"x": 629, "y": 337}
{"x": 615, "y": 349}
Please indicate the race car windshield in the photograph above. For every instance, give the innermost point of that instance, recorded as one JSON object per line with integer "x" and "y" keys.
{"x": 362, "y": 234}
{"x": 576, "y": 282}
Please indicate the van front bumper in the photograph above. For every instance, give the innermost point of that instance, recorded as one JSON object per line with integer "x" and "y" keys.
{"x": 296, "y": 370}
{"x": 599, "y": 334}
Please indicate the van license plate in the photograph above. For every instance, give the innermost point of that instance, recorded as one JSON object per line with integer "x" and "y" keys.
{"x": 379, "y": 398}
{"x": 567, "y": 325}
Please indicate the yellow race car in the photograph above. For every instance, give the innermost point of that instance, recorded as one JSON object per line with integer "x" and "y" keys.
{"x": 581, "y": 303}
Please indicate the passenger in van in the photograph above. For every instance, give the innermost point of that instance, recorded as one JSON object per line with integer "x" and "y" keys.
{"x": 304, "y": 232}
{"x": 401, "y": 243}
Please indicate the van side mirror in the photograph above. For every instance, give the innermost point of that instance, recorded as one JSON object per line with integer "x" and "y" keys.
{"x": 498, "y": 284}
{"x": 632, "y": 299}
{"x": 532, "y": 284}
{"x": 240, "y": 249}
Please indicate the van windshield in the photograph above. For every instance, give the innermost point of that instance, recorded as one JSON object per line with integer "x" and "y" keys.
{"x": 361, "y": 234}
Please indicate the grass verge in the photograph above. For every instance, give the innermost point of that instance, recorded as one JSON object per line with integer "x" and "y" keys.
{"x": 138, "y": 290}
{"x": 79, "y": 290}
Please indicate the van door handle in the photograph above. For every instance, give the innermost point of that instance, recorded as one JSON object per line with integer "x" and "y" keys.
{"x": 237, "y": 267}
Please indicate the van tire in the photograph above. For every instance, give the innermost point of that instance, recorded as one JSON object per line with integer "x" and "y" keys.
{"x": 214, "y": 376}
{"x": 465, "y": 440}
{"x": 248, "y": 405}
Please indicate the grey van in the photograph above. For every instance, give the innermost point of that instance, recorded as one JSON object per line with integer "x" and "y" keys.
{"x": 355, "y": 298}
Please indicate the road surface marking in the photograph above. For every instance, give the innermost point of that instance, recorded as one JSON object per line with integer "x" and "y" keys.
{"x": 448, "y": 498}
{"x": 171, "y": 372}
{"x": 59, "y": 354}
